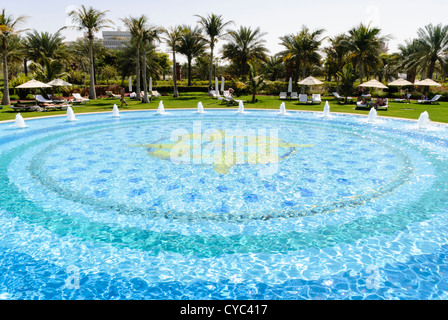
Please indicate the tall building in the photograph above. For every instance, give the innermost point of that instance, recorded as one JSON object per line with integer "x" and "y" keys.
{"x": 116, "y": 39}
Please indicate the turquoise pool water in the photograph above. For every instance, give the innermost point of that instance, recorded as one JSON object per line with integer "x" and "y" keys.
{"x": 97, "y": 209}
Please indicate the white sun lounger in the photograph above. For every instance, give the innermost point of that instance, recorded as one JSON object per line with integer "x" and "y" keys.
{"x": 303, "y": 98}
{"x": 434, "y": 99}
{"x": 316, "y": 98}
{"x": 78, "y": 98}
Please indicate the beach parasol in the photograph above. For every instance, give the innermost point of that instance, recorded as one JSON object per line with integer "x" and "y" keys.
{"x": 400, "y": 83}
{"x": 150, "y": 84}
{"x": 222, "y": 84}
{"x": 290, "y": 85}
{"x": 216, "y": 86}
{"x": 428, "y": 83}
{"x": 373, "y": 84}
{"x": 309, "y": 81}
{"x": 33, "y": 84}
{"x": 59, "y": 83}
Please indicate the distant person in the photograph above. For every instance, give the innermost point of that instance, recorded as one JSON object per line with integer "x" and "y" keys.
{"x": 381, "y": 102}
{"x": 424, "y": 97}
{"x": 122, "y": 97}
{"x": 231, "y": 92}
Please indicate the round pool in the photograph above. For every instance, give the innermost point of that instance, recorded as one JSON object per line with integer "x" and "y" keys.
{"x": 223, "y": 205}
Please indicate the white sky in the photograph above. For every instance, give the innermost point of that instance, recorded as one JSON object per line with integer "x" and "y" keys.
{"x": 399, "y": 18}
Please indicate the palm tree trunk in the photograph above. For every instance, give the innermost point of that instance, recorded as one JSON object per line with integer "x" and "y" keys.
{"x": 361, "y": 73}
{"x": 189, "y": 71}
{"x": 92, "y": 93}
{"x": 210, "y": 76}
{"x": 138, "y": 90}
{"x": 5, "y": 98}
{"x": 145, "y": 86}
{"x": 25, "y": 67}
{"x": 175, "y": 93}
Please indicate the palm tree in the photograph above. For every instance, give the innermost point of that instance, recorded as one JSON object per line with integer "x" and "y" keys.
{"x": 348, "y": 77}
{"x": 172, "y": 38}
{"x": 433, "y": 48}
{"x": 336, "y": 56}
{"x": 8, "y": 30}
{"x": 213, "y": 26}
{"x": 274, "y": 67}
{"x": 365, "y": 45}
{"x": 256, "y": 81}
{"x": 191, "y": 45}
{"x": 48, "y": 53}
{"x": 149, "y": 36}
{"x": 38, "y": 44}
{"x": 409, "y": 63}
{"x": 302, "y": 49}
{"x": 137, "y": 28}
{"x": 91, "y": 21}
{"x": 245, "y": 45}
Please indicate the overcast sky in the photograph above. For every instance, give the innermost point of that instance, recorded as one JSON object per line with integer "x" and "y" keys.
{"x": 399, "y": 18}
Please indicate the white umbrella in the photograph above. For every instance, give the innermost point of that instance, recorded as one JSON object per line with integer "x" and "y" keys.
{"x": 310, "y": 81}
{"x": 216, "y": 86}
{"x": 130, "y": 84}
{"x": 59, "y": 83}
{"x": 427, "y": 82}
{"x": 150, "y": 84}
{"x": 373, "y": 84}
{"x": 33, "y": 84}
{"x": 290, "y": 85}
{"x": 400, "y": 83}
{"x": 222, "y": 84}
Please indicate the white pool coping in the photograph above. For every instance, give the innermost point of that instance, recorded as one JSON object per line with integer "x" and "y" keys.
{"x": 235, "y": 108}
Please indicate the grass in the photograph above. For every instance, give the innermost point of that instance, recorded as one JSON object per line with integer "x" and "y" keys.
{"x": 413, "y": 110}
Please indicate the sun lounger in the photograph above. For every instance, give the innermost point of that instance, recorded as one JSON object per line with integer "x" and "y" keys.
{"x": 408, "y": 96}
{"x": 41, "y": 99}
{"x": 230, "y": 101}
{"x": 316, "y": 98}
{"x": 79, "y": 99}
{"x": 342, "y": 99}
{"x": 110, "y": 94}
{"x": 283, "y": 95}
{"x": 294, "y": 96}
{"x": 303, "y": 98}
{"x": 434, "y": 99}
{"x": 360, "y": 105}
{"x": 52, "y": 107}
{"x": 20, "y": 107}
{"x": 337, "y": 96}
{"x": 214, "y": 94}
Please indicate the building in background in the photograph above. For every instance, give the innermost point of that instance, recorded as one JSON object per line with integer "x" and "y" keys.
{"x": 116, "y": 39}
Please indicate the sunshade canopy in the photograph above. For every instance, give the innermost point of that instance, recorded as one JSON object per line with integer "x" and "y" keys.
{"x": 310, "y": 81}
{"x": 400, "y": 82}
{"x": 373, "y": 84}
{"x": 33, "y": 84}
{"x": 59, "y": 83}
{"x": 427, "y": 82}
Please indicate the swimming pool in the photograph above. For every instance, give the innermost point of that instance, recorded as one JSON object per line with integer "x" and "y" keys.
{"x": 348, "y": 209}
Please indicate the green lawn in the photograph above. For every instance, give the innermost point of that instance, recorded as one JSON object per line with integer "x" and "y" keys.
{"x": 413, "y": 110}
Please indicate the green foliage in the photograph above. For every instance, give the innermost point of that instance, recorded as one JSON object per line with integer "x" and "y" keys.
{"x": 348, "y": 77}
{"x": 18, "y": 80}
